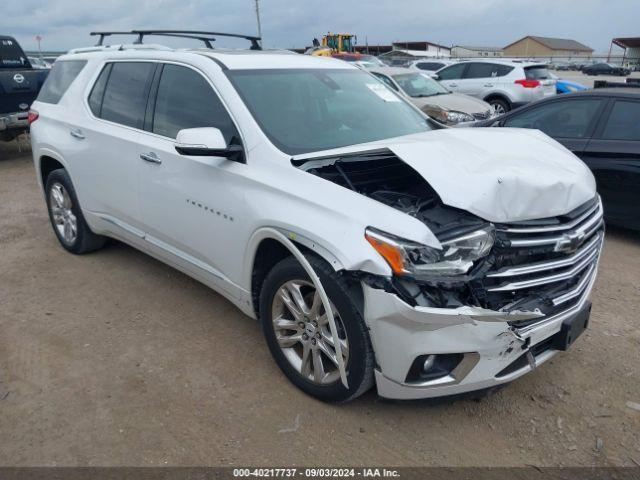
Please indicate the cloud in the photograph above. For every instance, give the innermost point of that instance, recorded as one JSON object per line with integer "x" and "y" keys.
{"x": 65, "y": 24}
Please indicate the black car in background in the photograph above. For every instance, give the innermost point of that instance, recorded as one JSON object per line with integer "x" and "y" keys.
{"x": 605, "y": 69}
{"x": 602, "y": 127}
{"x": 19, "y": 87}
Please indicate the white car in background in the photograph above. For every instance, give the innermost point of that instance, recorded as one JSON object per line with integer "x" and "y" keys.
{"x": 430, "y": 65}
{"x": 372, "y": 245}
{"x": 504, "y": 84}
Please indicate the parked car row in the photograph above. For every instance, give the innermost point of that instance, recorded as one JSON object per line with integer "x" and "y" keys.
{"x": 373, "y": 244}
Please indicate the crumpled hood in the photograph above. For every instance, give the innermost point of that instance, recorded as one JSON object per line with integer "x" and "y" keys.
{"x": 499, "y": 174}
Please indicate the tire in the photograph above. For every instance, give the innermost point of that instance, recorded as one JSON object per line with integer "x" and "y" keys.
{"x": 499, "y": 105}
{"x": 350, "y": 324}
{"x": 64, "y": 210}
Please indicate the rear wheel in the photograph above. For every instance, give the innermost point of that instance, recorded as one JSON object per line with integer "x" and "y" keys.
{"x": 297, "y": 331}
{"x": 499, "y": 105}
{"x": 66, "y": 217}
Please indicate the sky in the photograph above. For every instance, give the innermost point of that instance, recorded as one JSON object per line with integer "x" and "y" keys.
{"x": 65, "y": 24}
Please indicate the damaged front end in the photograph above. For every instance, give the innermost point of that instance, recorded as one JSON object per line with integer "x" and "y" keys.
{"x": 519, "y": 272}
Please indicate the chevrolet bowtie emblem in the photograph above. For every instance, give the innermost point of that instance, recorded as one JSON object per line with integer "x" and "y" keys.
{"x": 569, "y": 242}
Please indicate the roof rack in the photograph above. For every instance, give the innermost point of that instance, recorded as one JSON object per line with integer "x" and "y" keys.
{"x": 206, "y": 37}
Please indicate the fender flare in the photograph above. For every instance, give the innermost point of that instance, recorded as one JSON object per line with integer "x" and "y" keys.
{"x": 272, "y": 233}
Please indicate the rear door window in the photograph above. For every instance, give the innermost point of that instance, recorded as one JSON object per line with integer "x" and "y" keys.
{"x": 11, "y": 55}
{"x": 62, "y": 74}
{"x": 537, "y": 73}
{"x": 623, "y": 122}
{"x": 454, "y": 72}
{"x": 126, "y": 92}
{"x": 186, "y": 100}
{"x": 562, "y": 119}
{"x": 482, "y": 70}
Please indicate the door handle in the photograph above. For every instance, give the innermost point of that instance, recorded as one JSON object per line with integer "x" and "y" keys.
{"x": 453, "y": 84}
{"x": 150, "y": 157}
{"x": 488, "y": 84}
{"x": 77, "y": 133}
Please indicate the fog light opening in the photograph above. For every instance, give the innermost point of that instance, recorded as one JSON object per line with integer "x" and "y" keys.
{"x": 433, "y": 366}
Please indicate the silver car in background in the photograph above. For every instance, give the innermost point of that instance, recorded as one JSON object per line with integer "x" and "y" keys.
{"x": 504, "y": 84}
{"x": 432, "y": 98}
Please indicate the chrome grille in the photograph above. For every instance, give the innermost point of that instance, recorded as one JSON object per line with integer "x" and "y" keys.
{"x": 546, "y": 264}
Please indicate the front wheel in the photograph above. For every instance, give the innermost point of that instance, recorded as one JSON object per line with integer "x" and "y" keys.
{"x": 297, "y": 331}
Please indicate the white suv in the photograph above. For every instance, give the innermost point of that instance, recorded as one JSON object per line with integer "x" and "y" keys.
{"x": 503, "y": 84}
{"x": 373, "y": 246}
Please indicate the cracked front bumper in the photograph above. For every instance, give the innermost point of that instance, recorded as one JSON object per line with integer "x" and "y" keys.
{"x": 492, "y": 349}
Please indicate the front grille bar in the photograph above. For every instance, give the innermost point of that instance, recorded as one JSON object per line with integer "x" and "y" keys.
{"x": 554, "y": 228}
{"x": 579, "y": 288}
{"x": 548, "y": 279}
{"x": 551, "y": 265}
{"x": 587, "y": 229}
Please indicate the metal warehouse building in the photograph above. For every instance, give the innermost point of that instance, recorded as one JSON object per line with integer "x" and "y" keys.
{"x": 531, "y": 46}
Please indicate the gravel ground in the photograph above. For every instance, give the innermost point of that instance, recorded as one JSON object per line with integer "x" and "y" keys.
{"x": 116, "y": 359}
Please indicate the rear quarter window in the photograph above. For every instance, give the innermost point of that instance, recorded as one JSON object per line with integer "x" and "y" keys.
{"x": 62, "y": 74}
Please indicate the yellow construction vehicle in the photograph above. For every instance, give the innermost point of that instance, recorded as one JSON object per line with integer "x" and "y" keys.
{"x": 333, "y": 43}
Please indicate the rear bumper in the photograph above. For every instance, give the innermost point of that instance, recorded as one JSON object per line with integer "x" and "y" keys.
{"x": 14, "y": 121}
{"x": 400, "y": 333}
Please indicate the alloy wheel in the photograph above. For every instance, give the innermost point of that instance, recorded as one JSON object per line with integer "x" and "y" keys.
{"x": 64, "y": 219}
{"x": 302, "y": 331}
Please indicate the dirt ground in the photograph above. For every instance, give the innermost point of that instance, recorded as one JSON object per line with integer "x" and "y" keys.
{"x": 116, "y": 359}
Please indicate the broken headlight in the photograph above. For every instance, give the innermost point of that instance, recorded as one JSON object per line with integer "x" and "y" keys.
{"x": 410, "y": 258}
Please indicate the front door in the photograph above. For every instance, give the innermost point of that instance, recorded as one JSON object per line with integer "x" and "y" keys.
{"x": 188, "y": 203}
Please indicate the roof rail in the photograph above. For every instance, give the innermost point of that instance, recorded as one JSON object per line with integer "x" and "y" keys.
{"x": 206, "y": 37}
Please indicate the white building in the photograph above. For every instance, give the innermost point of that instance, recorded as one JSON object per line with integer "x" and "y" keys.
{"x": 466, "y": 51}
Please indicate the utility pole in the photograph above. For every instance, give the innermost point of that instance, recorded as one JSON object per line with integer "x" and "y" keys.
{"x": 38, "y": 39}
{"x": 258, "y": 17}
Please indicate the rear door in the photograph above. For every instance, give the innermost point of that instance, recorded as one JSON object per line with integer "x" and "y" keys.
{"x": 106, "y": 145}
{"x": 480, "y": 77}
{"x": 614, "y": 156}
{"x": 452, "y": 75}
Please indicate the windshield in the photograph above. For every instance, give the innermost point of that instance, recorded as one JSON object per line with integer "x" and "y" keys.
{"x": 307, "y": 110}
{"x": 417, "y": 85}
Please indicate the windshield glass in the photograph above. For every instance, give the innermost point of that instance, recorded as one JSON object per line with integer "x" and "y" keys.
{"x": 417, "y": 85}
{"x": 307, "y": 110}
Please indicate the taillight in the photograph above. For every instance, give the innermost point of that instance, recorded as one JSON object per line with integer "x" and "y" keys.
{"x": 527, "y": 83}
{"x": 32, "y": 117}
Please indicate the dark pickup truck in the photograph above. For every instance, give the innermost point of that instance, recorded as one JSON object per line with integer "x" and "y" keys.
{"x": 19, "y": 87}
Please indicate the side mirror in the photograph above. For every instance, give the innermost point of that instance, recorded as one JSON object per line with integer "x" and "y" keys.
{"x": 435, "y": 76}
{"x": 207, "y": 142}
